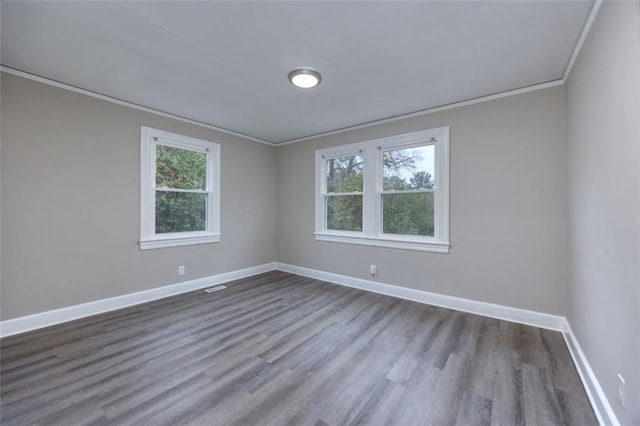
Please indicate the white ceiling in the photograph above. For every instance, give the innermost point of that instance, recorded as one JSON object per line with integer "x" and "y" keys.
{"x": 226, "y": 63}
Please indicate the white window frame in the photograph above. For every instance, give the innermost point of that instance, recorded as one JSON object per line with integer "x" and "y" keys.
{"x": 371, "y": 234}
{"x": 149, "y": 239}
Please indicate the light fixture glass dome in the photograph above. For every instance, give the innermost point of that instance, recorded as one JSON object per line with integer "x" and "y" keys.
{"x": 305, "y": 78}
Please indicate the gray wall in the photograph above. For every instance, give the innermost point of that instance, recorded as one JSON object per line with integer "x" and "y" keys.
{"x": 70, "y": 202}
{"x": 507, "y": 210}
{"x": 603, "y": 113}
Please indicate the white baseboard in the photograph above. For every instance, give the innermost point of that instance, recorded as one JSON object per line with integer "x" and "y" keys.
{"x": 598, "y": 399}
{"x": 57, "y": 316}
{"x": 596, "y": 395}
{"x": 522, "y": 316}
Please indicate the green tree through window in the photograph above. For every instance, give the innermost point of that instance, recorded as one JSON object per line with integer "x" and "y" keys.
{"x": 180, "y": 169}
{"x": 344, "y": 193}
{"x": 407, "y": 196}
{"x": 386, "y": 192}
{"x": 180, "y": 190}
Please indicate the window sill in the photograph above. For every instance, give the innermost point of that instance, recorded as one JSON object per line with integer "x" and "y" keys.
{"x": 157, "y": 243}
{"x": 395, "y": 243}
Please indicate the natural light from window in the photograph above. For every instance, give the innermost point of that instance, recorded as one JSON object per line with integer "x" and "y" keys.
{"x": 390, "y": 192}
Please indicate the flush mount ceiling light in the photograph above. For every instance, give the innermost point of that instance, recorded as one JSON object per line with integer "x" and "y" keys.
{"x": 305, "y": 78}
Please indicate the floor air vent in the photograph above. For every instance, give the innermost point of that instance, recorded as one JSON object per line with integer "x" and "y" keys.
{"x": 214, "y": 289}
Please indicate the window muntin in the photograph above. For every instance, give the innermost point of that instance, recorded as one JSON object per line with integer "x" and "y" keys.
{"x": 180, "y": 178}
{"x": 404, "y": 192}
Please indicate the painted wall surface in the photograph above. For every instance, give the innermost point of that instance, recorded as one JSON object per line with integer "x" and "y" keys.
{"x": 70, "y": 202}
{"x": 603, "y": 114}
{"x": 507, "y": 210}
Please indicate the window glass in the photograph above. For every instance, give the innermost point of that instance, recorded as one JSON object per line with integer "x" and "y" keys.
{"x": 408, "y": 213}
{"x": 387, "y": 192}
{"x": 410, "y": 168}
{"x": 179, "y": 190}
{"x": 180, "y": 168}
{"x": 180, "y": 212}
{"x": 344, "y": 174}
{"x": 344, "y": 212}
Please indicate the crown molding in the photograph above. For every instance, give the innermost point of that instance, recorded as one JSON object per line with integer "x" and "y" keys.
{"x": 583, "y": 35}
{"x": 44, "y": 80}
{"x": 420, "y": 113}
{"x": 48, "y": 81}
{"x": 576, "y": 50}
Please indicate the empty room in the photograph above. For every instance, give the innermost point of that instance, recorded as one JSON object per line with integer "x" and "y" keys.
{"x": 320, "y": 213}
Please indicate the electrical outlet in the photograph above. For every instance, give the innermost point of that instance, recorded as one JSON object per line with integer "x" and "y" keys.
{"x": 621, "y": 390}
{"x": 373, "y": 270}
{"x": 181, "y": 270}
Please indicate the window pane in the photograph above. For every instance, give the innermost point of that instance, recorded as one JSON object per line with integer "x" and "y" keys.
{"x": 344, "y": 212}
{"x": 408, "y": 214}
{"x": 180, "y": 168}
{"x": 345, "y": 174}
{"x": 180, "y": 212}
{"x": 411, "y": 168}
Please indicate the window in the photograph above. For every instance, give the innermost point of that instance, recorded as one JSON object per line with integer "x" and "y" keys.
{"x": 180, "y": 187}
{"x": 389, "y": 192}
{"x": 344, "y": 193}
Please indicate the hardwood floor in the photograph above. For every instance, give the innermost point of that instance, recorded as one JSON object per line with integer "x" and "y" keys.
{"x": 282, "y": 349}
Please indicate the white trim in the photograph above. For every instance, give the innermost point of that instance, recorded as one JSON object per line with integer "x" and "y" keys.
{"x": 403, "y": 244}
{"x": 57, "y": 316}
{"x": 156, "y": 243}
{"x": 522, "y": 316}
{"x": 149, "y": 239}
{"x": 583, "y": 35}
{"x": 420, "y": 113}
{"x": 372, "y": 154}
{"x": 596, "y": 395}
{"x": 117, "y": 101}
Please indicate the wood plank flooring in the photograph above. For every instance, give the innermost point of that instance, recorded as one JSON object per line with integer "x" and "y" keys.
{"x": 282, "y": 349}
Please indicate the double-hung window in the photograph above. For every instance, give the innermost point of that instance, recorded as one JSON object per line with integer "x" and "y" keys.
{"x": 389, "y": 192}
{"x": 180, "y": 190}
{"x": 344, "y": 190}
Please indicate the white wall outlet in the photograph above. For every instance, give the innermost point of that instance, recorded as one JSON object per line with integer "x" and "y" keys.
{"x": 621, "y": 390}
{"x": 181, "y": 270}
{"x": 373, "y": 269}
